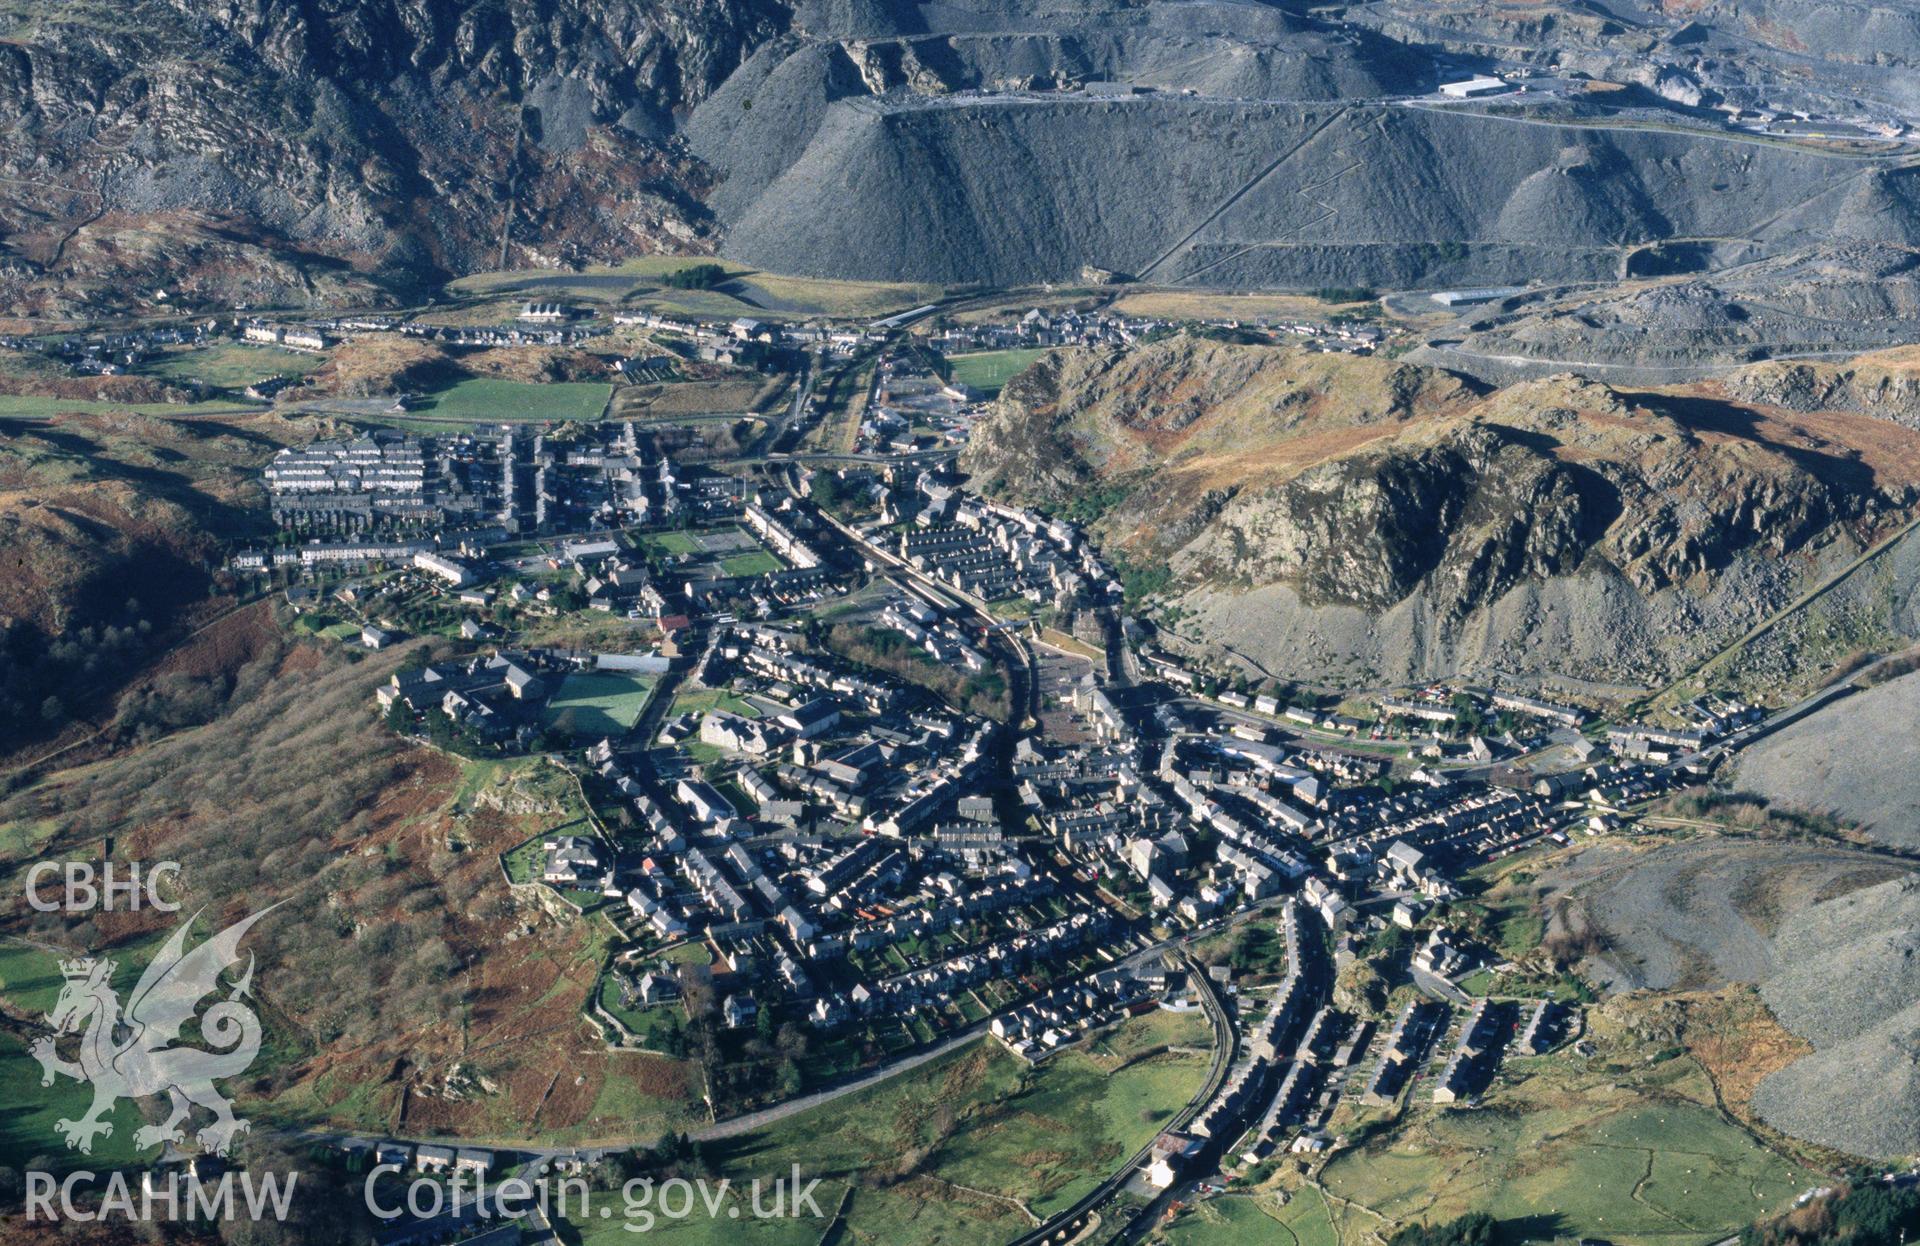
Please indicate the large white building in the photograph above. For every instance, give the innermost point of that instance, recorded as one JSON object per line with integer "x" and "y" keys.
{"x": 454, "y": 573}
{"x": 1470, "y": 88}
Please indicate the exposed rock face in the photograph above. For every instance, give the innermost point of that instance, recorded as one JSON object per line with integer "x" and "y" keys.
{"x": 1389, "y": 513}
{"x": 1473, "y": 516}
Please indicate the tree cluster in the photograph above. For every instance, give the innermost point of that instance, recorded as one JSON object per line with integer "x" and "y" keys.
{"x": 697, "y": 277}
{"x": 1862, "y": 1215}
{"x": 1473, "y": 1229}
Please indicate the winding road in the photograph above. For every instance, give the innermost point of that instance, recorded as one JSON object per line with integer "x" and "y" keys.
{"x": 750, "y": 1122}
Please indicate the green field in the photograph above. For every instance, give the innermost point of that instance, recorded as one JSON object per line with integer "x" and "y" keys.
{"x": 748, "y": 560}
{"x": 988, "y": 370}
{"x": 1673, "y": 1173}
{"x": 703, "y": 754}
{"x": 1652, "y": 1174}
{"x": 1479, "y": 982}
{"x": 486, "y": 400}
{"x": 1305, "y": 1216}
{"x": 30, "y": 982}
{"x": 593, "y": 704}
{"x": 231, "y": 365}
{"x": 753, "y": 562}
{"x": 1629, "y": 1145}
{"x": 327, "y": 627}
{"x": 689, "y": 953}
{"x": 28, "y": 1132}
{"x": 672, "y": 543}
{"x": 951, "y": 1151}
{"x": 1651, "y": 1163}
{"x": 1235, "y": 1218}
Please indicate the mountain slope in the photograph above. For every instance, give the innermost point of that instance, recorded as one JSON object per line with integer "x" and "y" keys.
{"x": 108, "y": 527}
{"x": 1236, "y": 192}
{"x": 284, "y": 151}
{"x": 288, "y": 152}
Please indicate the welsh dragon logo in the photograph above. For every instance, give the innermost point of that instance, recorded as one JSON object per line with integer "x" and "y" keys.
{"x": 131, "y": 1055}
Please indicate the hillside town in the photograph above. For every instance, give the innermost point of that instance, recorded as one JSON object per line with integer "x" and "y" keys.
{"x": 982, "y": 623}
{"x": 857, "y": 765}
{"x": 870, "y": 765}
{"x": 877, "y": 764}
{"x": 866, "y": 765}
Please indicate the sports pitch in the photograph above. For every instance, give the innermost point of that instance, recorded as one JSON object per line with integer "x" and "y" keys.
{"x": 598, "y": 703}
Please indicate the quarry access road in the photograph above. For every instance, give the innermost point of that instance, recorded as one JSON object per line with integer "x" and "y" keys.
{"x": 1634, "y": 370}
{"x": 1892, "y": 149}
{"x": 1246, "y": 188}
{"x": 1423, "y": 104}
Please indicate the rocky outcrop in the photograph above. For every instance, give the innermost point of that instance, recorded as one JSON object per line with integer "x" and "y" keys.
{"x": 1316, "y": 509}
{"x": 1473, "y": 516}
{"x": 1885, "y": 384}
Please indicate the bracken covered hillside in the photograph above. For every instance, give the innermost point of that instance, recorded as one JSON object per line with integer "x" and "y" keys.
{"x": 1389, "y": 520}
{"x": 109, "y": 526}
{"x": 403, "y": 985}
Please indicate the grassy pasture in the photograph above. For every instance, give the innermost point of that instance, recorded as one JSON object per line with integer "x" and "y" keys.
{"x": 487, "y": 400}
{"x": 231, "y": 365}
{"x": 750, "y": 563}
{"x": 952, "y": 1151}
{"x": 1644, "y": 1162}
